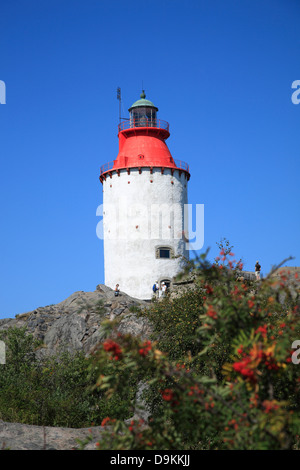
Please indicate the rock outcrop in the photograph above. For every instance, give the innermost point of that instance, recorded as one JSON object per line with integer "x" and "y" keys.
{"x": 75, "y": 323}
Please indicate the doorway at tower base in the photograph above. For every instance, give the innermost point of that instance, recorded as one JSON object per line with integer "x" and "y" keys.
{"x": 136, "y": 273}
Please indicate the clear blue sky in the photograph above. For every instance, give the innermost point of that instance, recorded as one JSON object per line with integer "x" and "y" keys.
{"x": 219, "y": 71}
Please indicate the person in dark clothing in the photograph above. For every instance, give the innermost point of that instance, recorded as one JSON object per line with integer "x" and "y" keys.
{"x": 257, "y": 270}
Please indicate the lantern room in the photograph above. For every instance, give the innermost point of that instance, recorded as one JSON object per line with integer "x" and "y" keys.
{"x": 143, "y": 113}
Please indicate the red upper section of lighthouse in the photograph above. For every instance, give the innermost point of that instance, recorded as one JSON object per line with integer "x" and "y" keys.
{"x": 142, "y": 141}
{"x": 143, "y": 146}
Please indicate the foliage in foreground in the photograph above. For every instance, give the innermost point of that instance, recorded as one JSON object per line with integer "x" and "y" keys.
{"x": 55, "y": 391}
{"x": 219, "y": 376}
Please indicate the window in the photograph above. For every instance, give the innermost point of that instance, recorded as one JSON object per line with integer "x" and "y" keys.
{"x": 164, "y": 252}
{"x": 143, "y": 117}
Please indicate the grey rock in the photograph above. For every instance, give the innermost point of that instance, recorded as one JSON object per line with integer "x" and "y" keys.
{"x": 75, "y": 323}
{"x": 118, "y": 311}
{"x": 94, "y": 339}
{"x": 15, "y": 436}
{"x": 141, "y": 411}
{"x": 103, "y": 289}
{"x": 66, "y": 303}
{"x": 131, "y": 324}
{"x": 43, "y": 327}
{"x": 66, "y": 333}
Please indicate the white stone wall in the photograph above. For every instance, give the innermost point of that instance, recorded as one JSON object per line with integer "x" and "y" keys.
{"x": 142, "y": 211}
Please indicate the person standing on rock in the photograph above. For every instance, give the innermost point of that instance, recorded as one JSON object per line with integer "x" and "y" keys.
{"x": 117, "y": 290}
{"x": 257, "y": 270}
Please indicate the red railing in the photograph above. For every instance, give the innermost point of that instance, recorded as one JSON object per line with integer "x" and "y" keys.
{"x": 143, "y": 122}
{"x": 106, "y": 167}
{"x": 182, "y": 165}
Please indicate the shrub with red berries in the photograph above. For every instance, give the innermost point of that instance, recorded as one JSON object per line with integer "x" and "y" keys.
{"x": 217, "y": 373}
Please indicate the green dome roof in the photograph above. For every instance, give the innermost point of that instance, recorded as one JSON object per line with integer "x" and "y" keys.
{"x": 142, "y": 102}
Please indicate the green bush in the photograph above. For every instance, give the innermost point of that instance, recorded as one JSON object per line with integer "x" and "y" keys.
{"x": 175, "y": 323}
{"x": 55, "y": 391}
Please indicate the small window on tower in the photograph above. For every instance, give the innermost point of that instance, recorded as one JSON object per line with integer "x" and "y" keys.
{"x": 164, "y": 252}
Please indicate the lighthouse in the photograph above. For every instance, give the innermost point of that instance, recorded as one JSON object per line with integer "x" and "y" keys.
{"x": 144, "y": 200}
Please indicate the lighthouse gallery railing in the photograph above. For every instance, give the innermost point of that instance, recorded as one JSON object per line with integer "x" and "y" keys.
{"x": 143, "y": 122}
{"x": 181, "y": 165}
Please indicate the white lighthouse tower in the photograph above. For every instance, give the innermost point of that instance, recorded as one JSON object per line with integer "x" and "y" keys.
{"x": 144, "y": 198}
